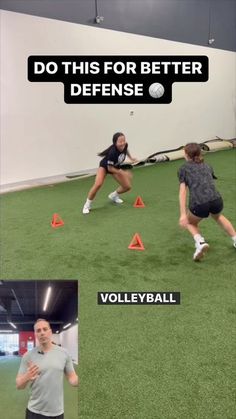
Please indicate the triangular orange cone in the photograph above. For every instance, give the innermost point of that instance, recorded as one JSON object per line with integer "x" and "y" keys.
{"x": 136, "y": 243}
{"x": 57, "y": 221}
{"x": 139, "y": 203}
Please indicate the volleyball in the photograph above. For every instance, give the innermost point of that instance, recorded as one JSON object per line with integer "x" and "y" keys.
{"x": 156, "y": 90}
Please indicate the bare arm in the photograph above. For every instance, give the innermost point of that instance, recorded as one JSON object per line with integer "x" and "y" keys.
{"x": 31, "y": 374}
{"x": 130, "y": 157}
{"x": 183, "y": 220}
{"x": 73, "y": 379}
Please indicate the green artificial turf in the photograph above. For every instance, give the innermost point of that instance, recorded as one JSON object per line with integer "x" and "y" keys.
{"x": 137, "y": 361}
{"x": 13, "y": 402}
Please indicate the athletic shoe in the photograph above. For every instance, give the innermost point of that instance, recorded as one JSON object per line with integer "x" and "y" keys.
{"x": 86, "y": 209}
{"x": 201, "y": 249}
{"x": 115, "y": 198}
{"x": 234, "y": 244}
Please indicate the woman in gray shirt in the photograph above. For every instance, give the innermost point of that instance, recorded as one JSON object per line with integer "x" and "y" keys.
{"x": 204, "y": 200}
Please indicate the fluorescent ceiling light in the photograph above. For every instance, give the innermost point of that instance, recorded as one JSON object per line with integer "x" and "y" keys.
{"x": 6, "y": 331}
{"x": 47, "y": 298}
{"x": 13, "y": 325}
{"x": 67, "y": 325}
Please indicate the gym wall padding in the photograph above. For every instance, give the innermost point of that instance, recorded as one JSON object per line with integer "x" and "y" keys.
{"x": 211, "y": 145}
{"x": 233, "y": 142}
{"x": 175, "y": 155}
{"x": 216, "y": 145}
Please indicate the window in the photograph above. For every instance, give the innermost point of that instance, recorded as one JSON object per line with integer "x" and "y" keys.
{"x": 9, "y": 343}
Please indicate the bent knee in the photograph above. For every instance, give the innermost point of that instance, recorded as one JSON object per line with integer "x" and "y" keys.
{"x": 129, "y": 175}
{"x": 128, "y": 187}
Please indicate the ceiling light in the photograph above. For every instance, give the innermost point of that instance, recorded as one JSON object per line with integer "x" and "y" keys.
{"x": 67, "y": 325}
{"x": 6, "y": 331}
{"x": 13, "y": 325}
{"x": 47, "y": 298}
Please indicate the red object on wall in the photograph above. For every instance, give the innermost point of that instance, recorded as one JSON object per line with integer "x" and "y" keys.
{"x": 24, "y": 339}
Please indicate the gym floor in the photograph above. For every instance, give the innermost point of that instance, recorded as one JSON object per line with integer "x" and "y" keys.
{"x": 136, "y": 361}
{"x": 14, "y": 402}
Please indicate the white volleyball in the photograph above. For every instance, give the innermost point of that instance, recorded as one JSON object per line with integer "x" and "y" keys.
{"x": 156, "y": 90}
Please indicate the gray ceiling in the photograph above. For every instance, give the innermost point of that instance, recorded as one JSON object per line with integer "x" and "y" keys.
{"x": 21, "y": 302}
{"x": 189, "y": 21}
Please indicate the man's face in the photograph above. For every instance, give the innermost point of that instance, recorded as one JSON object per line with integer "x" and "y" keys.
{"x": 43, "y": 332}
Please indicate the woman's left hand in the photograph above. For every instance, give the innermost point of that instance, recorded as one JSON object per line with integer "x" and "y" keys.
{"x": 134, "y": 160}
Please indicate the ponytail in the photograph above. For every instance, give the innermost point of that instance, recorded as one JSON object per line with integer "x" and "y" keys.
{"x": 105, "y": 152}
{"x": 114, "y": 140}
{"x": 194, "y": 152}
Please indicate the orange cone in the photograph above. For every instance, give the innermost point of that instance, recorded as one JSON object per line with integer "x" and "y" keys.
{"x": 136, "y": 243}
{"x": 139, "y": 203}
{"x": 57, "y": 221}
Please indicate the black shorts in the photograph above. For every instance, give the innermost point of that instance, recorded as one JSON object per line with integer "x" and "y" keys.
{"x": 104, "y": 165}
{"x": 211, "y": 207}
{"x": 32, "y": 415}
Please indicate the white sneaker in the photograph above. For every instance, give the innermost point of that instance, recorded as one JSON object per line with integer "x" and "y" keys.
{"x": 115, "y": 198}
{"x": 86, "y": 209}
{"x": 201, "y": 249}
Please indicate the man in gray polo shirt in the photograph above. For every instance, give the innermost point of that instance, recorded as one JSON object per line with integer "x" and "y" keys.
{"x": 43, "y": 368}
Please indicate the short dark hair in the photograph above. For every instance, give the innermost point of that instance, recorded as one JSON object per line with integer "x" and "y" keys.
{"x": 42, "y": 320}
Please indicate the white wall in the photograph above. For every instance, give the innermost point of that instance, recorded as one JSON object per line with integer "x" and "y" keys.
{"x": 41, "y": 136}
{"x": 69, "y": 341}
{"x": 56, "y": 338}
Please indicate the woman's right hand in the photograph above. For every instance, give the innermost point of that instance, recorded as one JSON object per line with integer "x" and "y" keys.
{"x": 183, "y": 221}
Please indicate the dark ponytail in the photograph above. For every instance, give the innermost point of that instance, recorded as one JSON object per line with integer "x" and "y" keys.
{"x": 194, "y": 152}
{"x": 114, "y": 139}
